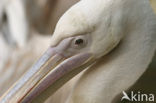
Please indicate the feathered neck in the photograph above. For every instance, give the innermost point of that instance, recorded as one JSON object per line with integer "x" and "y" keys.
{"x": 121, "y": 68}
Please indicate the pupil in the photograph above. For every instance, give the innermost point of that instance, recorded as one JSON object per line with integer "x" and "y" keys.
{"x": 79, "y": 41}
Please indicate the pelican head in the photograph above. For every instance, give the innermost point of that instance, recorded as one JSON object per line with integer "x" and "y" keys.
{"x": 83, "y": 34}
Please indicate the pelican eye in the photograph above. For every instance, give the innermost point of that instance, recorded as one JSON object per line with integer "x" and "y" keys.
{"x": 79, "y": 41}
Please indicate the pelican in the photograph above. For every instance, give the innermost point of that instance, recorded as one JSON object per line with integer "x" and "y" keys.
{"x": 13, "y": 22}
{"x": 110, "y": 42}
{"x": 43, "y": 15}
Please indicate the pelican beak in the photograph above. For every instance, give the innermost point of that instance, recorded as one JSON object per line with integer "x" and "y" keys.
{"x": 50, "y": 72}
